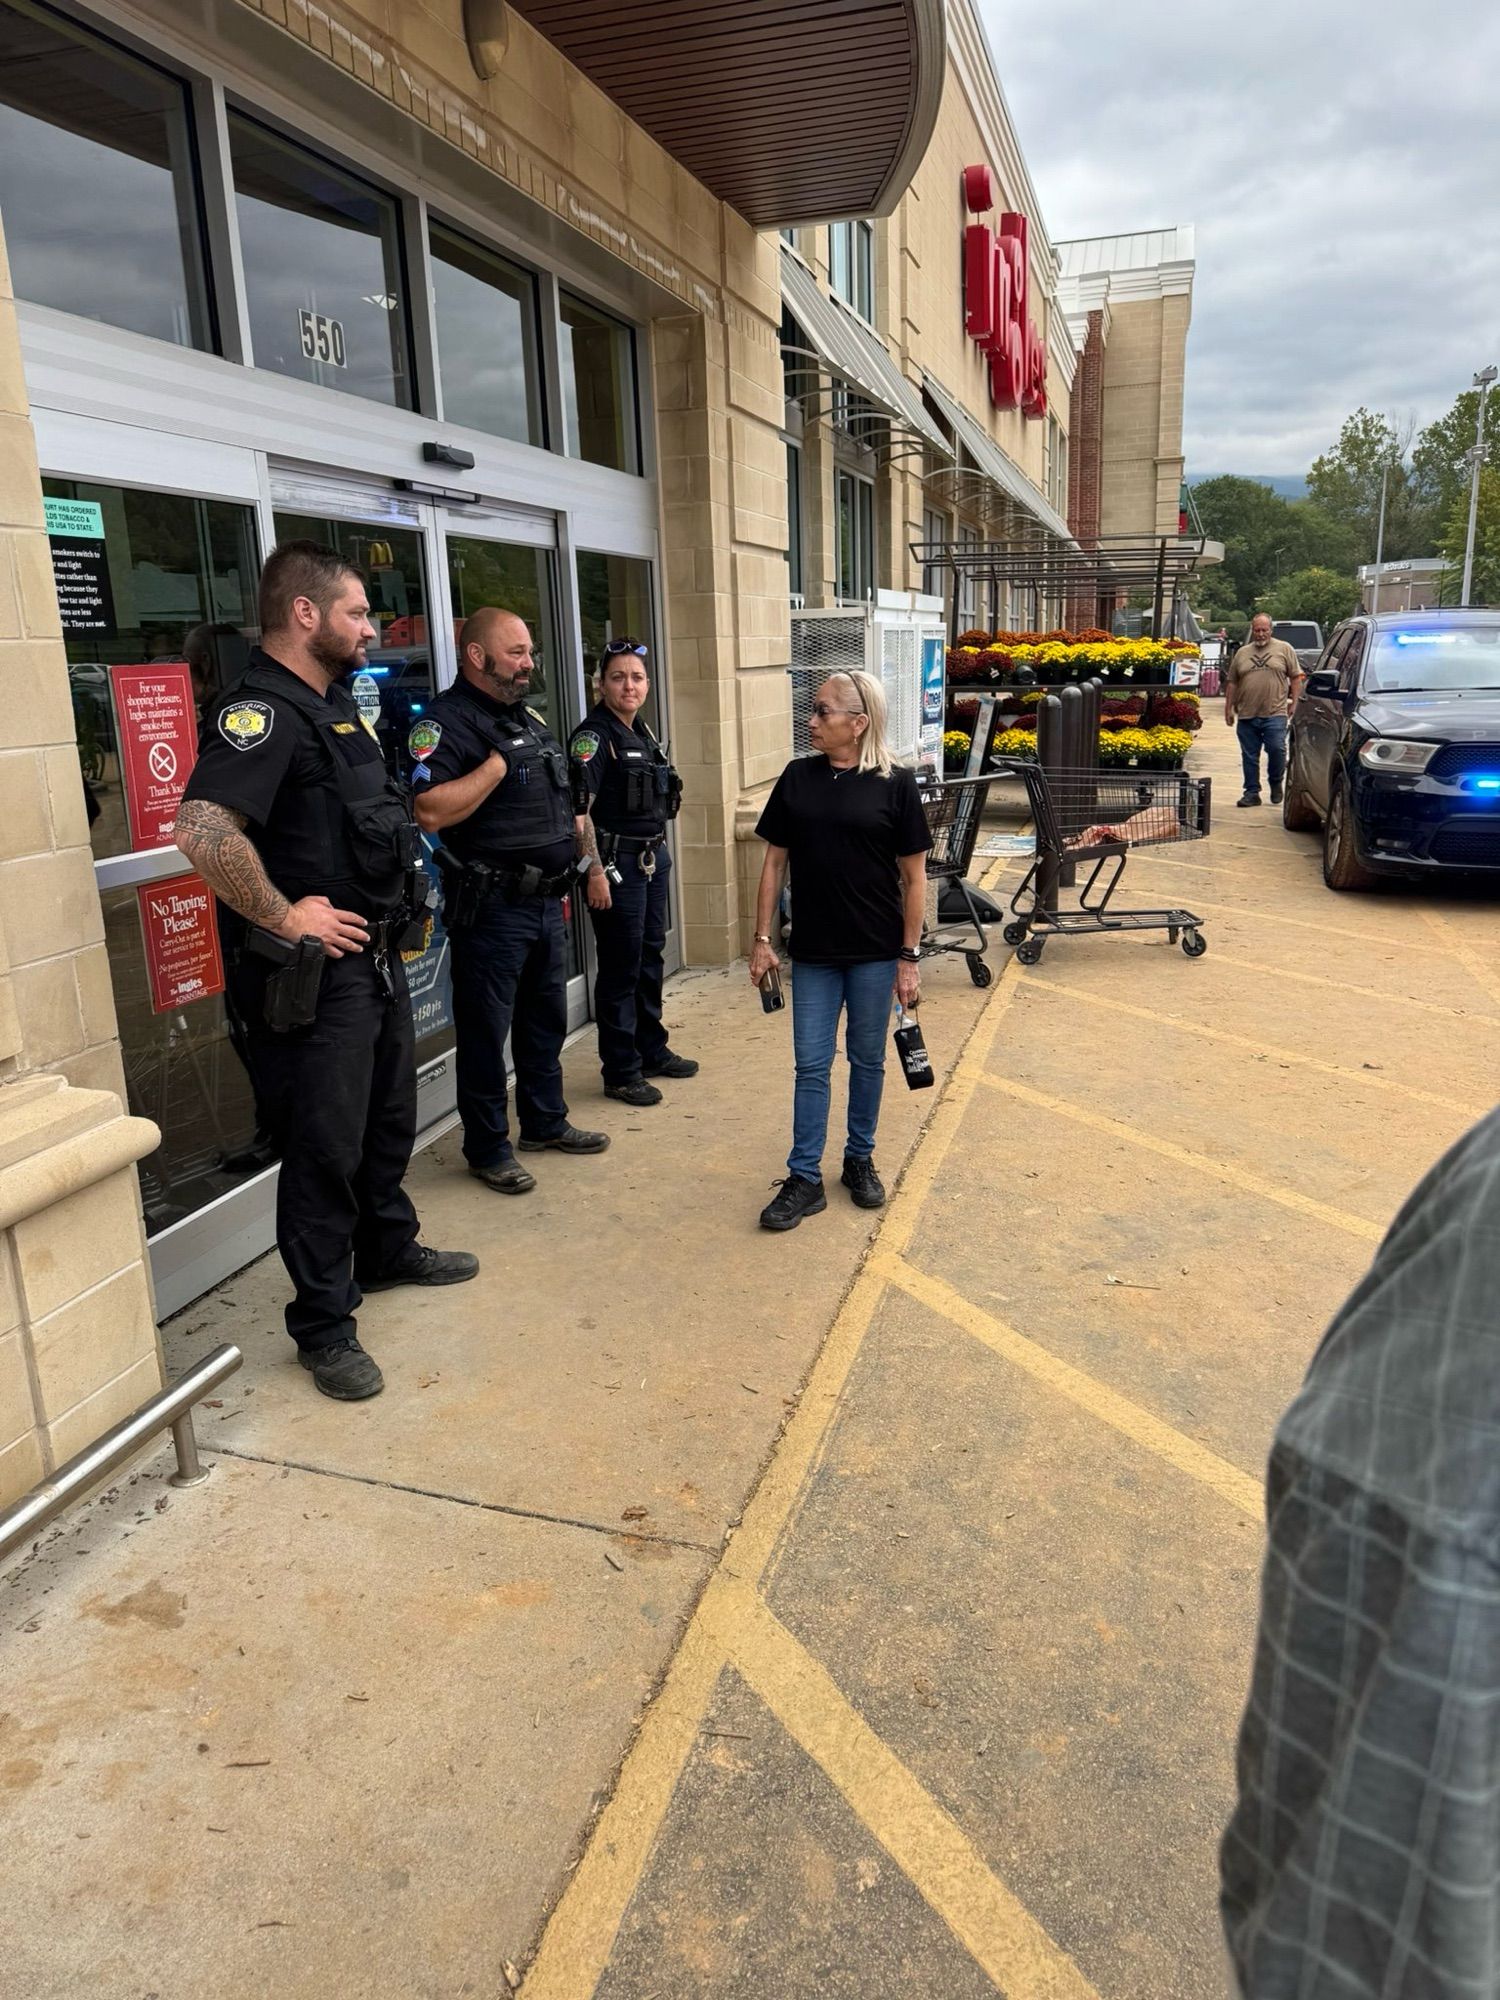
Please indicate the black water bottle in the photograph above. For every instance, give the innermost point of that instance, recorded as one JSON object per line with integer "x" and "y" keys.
{"x": 916, "y": 1064}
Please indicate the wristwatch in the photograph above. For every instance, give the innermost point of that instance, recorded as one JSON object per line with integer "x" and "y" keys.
{"x": 910, "y": 954}
{"x": 761, "y": 938}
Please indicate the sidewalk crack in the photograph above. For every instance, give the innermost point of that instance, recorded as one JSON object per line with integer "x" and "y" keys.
{"x": 629, "y": 1529}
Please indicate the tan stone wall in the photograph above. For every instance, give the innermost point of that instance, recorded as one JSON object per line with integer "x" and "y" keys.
{"x": 78, "y": 1346}
{"x": 1142, "y": 446}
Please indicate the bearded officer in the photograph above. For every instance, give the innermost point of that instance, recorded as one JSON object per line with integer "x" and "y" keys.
{"x": 624, "y": 780}
{"x": 492, "y": 780}
{"x": 292, "y": 819}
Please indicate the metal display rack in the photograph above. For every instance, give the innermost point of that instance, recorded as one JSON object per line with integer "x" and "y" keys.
{"x": 1086, "y": 578}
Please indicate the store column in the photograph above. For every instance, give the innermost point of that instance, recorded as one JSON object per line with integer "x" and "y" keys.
{"x": 78, "y": 1346}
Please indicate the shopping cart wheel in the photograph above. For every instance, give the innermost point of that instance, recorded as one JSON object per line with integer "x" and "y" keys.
{"x": 1194, "y": 943}
{"x": 979, "y": 972}
{"x": 1014, "y": 933}
{"x": 1030, "y": 952}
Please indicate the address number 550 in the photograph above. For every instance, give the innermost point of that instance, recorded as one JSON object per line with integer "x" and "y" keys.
{"x": 322, "y": 338}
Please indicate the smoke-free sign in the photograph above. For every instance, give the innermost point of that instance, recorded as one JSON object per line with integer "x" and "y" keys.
{"x": 158, "y": 745}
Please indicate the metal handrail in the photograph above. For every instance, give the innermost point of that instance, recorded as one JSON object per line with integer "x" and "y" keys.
{"x": 171, "y": 1406}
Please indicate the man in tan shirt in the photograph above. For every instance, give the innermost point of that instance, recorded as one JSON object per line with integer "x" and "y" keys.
{"x": 1261, "y": 685}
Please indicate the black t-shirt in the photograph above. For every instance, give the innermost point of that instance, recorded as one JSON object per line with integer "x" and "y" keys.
{"x": 845, "y": 832}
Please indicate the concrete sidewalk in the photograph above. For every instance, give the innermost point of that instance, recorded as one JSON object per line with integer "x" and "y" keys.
{"x": 338, "y": 1720}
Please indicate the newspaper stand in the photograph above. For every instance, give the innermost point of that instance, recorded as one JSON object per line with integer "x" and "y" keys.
{"x": 953, "y": 807}
{"x": 1091, "y": 819}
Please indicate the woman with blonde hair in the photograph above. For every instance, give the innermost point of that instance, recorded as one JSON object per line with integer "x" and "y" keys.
{"x": 851, "y": 825}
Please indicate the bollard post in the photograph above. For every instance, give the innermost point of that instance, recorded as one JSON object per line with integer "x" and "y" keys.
{"x": 1073, "y": 759}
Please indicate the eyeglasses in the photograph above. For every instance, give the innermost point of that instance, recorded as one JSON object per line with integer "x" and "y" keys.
{"x": 822, "y": 711}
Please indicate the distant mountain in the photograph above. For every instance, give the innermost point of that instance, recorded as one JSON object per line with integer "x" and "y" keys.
{"x": 1290, "y": 485}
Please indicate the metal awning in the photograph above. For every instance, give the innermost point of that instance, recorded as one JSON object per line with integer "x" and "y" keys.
{"x": 853, "y": 352}
{"x": 789, "y": 110}
{"x": 1097, "y": 574}
{"x": 992, "y": 461}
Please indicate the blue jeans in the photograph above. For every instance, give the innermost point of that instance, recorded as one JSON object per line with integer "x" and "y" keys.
{"x": 1255, "y": 731}
{"x": 863, "y": 994}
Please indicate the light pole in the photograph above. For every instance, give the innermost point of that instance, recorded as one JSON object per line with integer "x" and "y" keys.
{"x": 1379, "y": 543}
{"x": 1482, "y": 383}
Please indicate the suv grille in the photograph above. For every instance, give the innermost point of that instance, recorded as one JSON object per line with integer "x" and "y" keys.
{"x": 1462, "y": 760}
{"x": 1468, "y": 843}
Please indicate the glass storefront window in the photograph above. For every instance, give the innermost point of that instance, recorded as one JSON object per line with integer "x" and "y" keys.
{"x": 97, "y": 186}
{"x": 486, "y": 314}
{"x": 598, "y": 385}
{"x": 323, "y": 269}
{"x": 143, "y": 578}
{"x": 614, "y": 602}
{"x": 855, "y": 501}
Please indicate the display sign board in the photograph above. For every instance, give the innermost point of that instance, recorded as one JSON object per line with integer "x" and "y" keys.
{"x": 80, "y": 565}
{"x": 181, "y": 937}
{"x": 934, "y": 662}
{"x": 158, "y": 735}
{"x": 428, "y": 977}
{"x": 1185, "y": 673}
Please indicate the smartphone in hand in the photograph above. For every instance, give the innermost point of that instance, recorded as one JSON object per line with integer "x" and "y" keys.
{"x": 771, "y": 996}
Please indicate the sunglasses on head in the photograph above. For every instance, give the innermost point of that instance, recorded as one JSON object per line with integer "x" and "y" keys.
{"x": 618, "y": 648}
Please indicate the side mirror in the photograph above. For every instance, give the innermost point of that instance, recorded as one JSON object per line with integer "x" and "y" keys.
{"x": 1323, "y": 684}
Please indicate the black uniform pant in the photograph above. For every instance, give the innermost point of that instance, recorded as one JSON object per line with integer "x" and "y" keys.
{"x": 340, "y": 1098}
{"x": 510, "y": 977}
{"x": 630, "y": 939}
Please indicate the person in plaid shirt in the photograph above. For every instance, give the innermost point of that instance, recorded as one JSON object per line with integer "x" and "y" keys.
{"x": 1363, "y": 1857}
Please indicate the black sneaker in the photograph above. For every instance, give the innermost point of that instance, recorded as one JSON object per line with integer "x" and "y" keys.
{"x": 1250, "y": 799}
{"x": 1276, "y": 795}
{"x": 797, "y": 1198}
{"x": 640, "y": 1092}
{"x": 670, "y": 1065}
{"x": 864, "y": 1184}
{"x": 423, "y": 1265}
{"x": 568, "y": 1140}
{"x": 506, "y": 1177}
{"x": 343, "y": 1370}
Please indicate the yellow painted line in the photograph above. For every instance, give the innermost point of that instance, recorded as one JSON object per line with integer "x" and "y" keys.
{"x": 1207, "y": 1034}
{"x": 1186, "y": 1156}
{"x": 1111, "y": 1408}
{"x": 1219, "y": 958}
{"x": 580, "y": 1935}
{"x": 581, "y": 1932}
{"x": 924, "y": 1841}
{"x": 1463, "y": 951}
{"x": 1323, "y": 930}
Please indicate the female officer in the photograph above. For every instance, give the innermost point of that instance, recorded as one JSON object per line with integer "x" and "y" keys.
{"x": 622, "y": 779}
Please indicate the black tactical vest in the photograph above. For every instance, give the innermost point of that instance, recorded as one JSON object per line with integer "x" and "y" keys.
{"x": 347, "y": 830}
{"x": 531, "y": 806}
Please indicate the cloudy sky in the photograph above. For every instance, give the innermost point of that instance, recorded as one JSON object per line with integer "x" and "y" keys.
{"x": 1341, "y": 164}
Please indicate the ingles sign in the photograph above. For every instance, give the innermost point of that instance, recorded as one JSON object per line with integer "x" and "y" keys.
{"x": 997, "y": 302}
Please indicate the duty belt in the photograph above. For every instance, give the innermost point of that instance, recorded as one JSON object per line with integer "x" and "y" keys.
{"x": 613, "y": 844}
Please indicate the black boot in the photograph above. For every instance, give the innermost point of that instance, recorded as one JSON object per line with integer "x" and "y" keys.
{"x": 343, "y": 1370}
{"x": 420, "y": 1265}
{"x": 796, "y": 1199}
{"x": 864, "y": 1184}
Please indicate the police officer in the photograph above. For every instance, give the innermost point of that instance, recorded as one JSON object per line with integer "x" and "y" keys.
{"x": 490, "y": 777}
{"x": 293, "y": 821}
{"x": 621, "y": 776}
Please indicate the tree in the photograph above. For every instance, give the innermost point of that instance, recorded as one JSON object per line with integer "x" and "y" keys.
{"x": 1344, "y": 483}
{"x": 1486, "y": 585}
{"x": 1317, "y": 593}
{"x": 1266, "y": 537}
{"x": 1440, "y": 459}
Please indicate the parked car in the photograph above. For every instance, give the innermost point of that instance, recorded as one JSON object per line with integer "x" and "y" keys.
{"x": 1395, "y": 747}
{"x": 1303, "y": 635}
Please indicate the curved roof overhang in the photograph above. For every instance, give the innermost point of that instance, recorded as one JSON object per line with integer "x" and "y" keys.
{"x": 789, "y": 110}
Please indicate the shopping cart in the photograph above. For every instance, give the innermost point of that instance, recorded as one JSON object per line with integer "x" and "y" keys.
{"x": 953, "y": 807}
{"x": 1093, "y": 819}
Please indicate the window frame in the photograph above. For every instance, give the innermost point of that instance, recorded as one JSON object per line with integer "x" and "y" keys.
{"x": 852, "y": 245}
{"x": 432, "y": 217}
{"x": 635, "y": 427}
{"x": 862, "y": 495}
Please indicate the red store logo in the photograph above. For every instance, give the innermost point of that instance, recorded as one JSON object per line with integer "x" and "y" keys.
{"x": 997, "y": 301}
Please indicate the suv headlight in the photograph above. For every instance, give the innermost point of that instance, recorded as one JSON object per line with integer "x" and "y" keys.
{"x": 1388, "y": 753}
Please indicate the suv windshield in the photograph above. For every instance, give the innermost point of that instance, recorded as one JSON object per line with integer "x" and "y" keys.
{"x": 1295, "y": 633}
{"x": 1436, "y": 656}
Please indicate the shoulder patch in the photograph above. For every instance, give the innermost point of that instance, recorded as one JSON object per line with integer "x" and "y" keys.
{"x": 424, "y": 738}
{"x": 584, "y": 745}
{"x": 247, "y": 724}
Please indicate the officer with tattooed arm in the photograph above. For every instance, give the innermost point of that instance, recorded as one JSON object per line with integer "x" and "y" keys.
{"x": 492, "y": 779}
{"x": 292, "y": 819}
{"x": 624, "y": 780}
